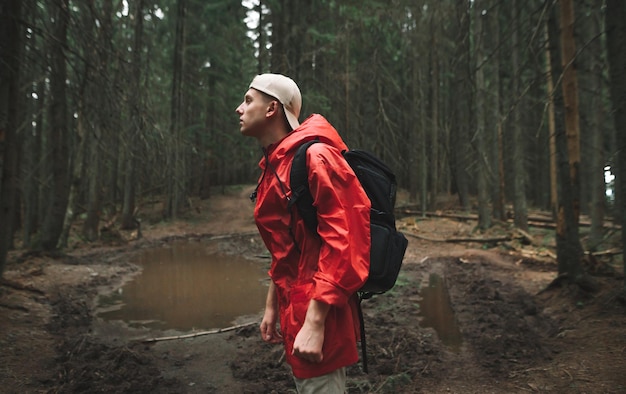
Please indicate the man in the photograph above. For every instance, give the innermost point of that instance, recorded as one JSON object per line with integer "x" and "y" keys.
{"x": 314, "y": 277}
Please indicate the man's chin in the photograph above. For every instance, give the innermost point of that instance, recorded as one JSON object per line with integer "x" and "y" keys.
{"x": 246, "y": 132}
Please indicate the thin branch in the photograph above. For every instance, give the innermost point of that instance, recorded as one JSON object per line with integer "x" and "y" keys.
{"x": 201, "y": 333}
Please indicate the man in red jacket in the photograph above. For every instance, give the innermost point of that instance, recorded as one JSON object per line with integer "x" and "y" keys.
{"x": 314, "y": 278}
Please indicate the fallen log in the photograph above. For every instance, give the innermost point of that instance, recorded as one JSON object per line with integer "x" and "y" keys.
{"x": 460, "y": 240}
{"x": 535, "y": 220}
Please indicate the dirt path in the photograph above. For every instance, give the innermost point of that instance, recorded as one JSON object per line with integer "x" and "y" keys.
{"x": 515, "y": 336}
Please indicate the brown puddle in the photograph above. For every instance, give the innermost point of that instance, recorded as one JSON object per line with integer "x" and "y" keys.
{"x": 188, "y": 286}
{"x": 436, "y": 312}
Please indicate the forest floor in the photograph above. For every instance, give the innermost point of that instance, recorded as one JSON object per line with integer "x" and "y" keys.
{"x": 518, "y": 331}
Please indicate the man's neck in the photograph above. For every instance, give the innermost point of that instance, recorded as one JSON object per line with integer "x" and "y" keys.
{"x": 271, "y": 138}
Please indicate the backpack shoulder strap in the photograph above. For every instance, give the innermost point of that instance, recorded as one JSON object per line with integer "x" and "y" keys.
{"x": 299, "y": 183}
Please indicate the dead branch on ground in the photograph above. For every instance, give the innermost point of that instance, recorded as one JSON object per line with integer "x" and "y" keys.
{"x": 460, "y": 240}
{"x": 201, "y": 333}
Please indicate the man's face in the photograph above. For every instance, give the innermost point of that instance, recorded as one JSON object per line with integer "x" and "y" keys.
{"x": 252, "y": 114}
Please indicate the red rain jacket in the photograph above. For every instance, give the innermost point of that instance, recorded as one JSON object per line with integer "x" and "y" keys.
{"x": 331, "y": 267}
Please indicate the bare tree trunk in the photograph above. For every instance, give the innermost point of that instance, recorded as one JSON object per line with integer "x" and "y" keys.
{"x": 551, "y": 125}
{"x": 569, "y": 249}
{"x": 42, "y": 170}
{"x": 31, "y": 152}
{"x": 83, "y": 134}
{"x": 30, "y": 189}
{"x": 423, "y": 156}
{"x": 136, "y": 128}
{"x": 497, "y": 142}
{"x": 177, "y": 178}
{"x": 208, "y": 164}
{"x": 520, "y": 208}
{"x": 570, "y": 256}
{"x": 103, "y": 116}
{"x": 420, "y": 149}
{"x": 417, "y": 171}
{"x": 10, "y": 48}
{"x": 59, "y": 126}
{"x": 596, "y": 111}
{"x": 92, "y": 220}
{"x": 461, "y": 114}
{"x": 570, "y": 98}
{"x": 434, "y": 114}
{"x": 616, "y": 42}
{"x": 261, "y": 40}
{"x": 76, "y": 165}
{"x": 482, "y": 173}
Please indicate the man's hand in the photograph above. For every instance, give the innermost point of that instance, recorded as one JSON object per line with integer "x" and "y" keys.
{"x": 269, "y": 333}
{"x": 310, "y": 339}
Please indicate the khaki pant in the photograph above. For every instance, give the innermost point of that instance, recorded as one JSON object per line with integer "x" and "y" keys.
{"x": 332, "y": 383}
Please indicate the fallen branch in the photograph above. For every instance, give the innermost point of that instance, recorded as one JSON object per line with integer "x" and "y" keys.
{"x": 201, "y": 333}
{"x": 452, "y": 240}
{"x": 537, "y": 255}
{"x": 232, "y": 235}
{"x": 538, "y": 220}
{"x": 610, "y": 252}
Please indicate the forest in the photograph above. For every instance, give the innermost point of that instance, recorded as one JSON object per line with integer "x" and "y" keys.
{"x": 503, "y": 120}
{"x": 508, "y": 105}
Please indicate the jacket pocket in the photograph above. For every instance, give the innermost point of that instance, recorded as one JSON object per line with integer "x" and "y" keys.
{"x": 295, "y": 312}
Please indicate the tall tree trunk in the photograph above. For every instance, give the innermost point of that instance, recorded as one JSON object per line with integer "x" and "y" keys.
{"x": 569, "y": 249}
{"x": 76, "y": 164}
{"x": 434, "y": 111}
{"x": 261, "y": 39}
{"x": 482, "y": 173}
{"x": 415, "y": 129}
{"x": 421, "y": 159}
{"x": 136, "y": 127}
{"x": 103, "y": 117}
{"x": 92, "y": 219}
{"x": 497, "y": 141}
{"x": 177, "y": 179}
{"x": 423, "y": 141}
{"x": 42, "y": 172}
{"x": 10, "y": 48}
{"x": 33, "y": 160}
{"x": 206, "y": 178}
{"x": 76, "y": 168}
{"x": 30, "y": 189}
{"x": 520, "y": 209}
{"x": 59, "y": 129}
{"x": 616, "y": 42}
{"x": 551, "y": 123}
{"x": 461, "y": 114}
{"x": 596, "y": 111}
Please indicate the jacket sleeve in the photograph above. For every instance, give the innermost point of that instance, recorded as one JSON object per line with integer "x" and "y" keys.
{"x": 343, "y": 211}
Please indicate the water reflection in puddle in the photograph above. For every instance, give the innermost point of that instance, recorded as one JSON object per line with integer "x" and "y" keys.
{"x": 188, "y": 286}
{"x": 437, "y": 313}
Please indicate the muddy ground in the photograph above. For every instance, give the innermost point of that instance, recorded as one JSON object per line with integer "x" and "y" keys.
{"x": 517, "y": 334}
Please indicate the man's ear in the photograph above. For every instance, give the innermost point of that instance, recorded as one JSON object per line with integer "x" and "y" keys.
{"x": 272, "y": 108}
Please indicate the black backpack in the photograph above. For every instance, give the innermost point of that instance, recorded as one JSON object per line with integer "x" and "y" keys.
{"x": 387, "y": 244}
